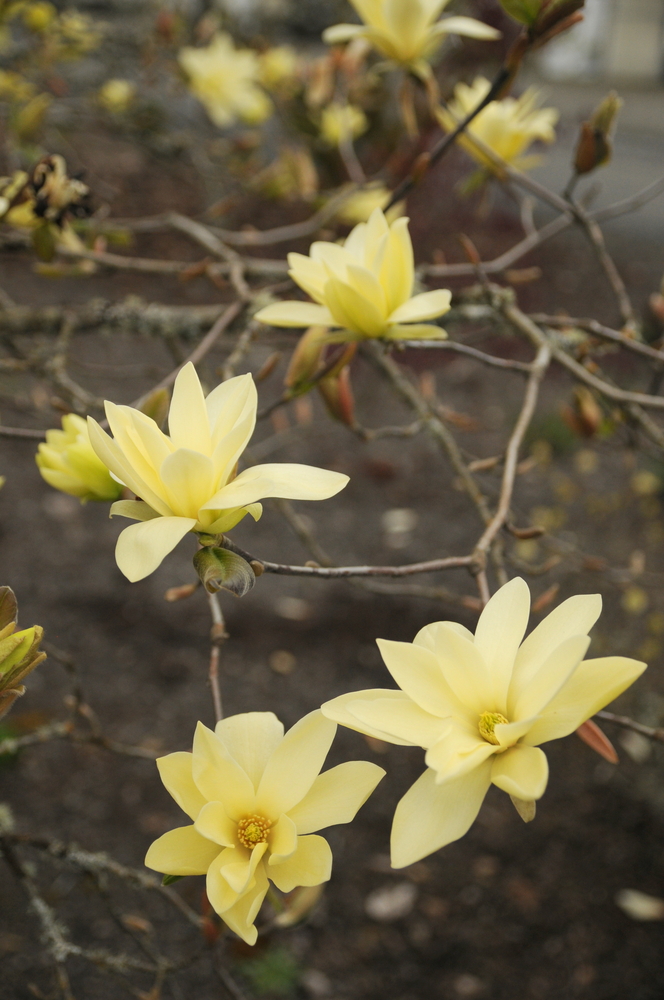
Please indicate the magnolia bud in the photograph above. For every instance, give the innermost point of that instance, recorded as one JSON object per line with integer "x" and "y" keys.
{"x": 595, "y": 146}
{"x": 19, "y": 651}
{"x": 221, "y": 569}
{"x": 338, "y": 397}
{"x": 306, "y": 358}
{"x": 524, "y": 11}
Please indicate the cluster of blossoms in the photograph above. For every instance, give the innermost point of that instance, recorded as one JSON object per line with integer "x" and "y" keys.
{"x": 480, "y": 705}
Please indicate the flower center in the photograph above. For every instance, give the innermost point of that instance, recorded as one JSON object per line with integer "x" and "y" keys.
{"x": 253, "y": 830}
{"x": 487, "y": 724}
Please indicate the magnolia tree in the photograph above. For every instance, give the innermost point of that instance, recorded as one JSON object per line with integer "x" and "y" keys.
{"x": 179, "y": 461}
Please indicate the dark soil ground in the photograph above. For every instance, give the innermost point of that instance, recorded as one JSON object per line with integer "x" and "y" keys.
{"x": 511, "y": 912}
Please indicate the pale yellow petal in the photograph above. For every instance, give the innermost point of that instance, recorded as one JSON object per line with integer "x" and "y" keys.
{"x": 499, "y": 632}
{"x": 181, "y": 852}
{"x": 296, "y": 762}
{"x": 240, "y": 917}
{"x": 367, "y": 285}
{"x": 522, "y": 771}
{"x": 342, "y": 710}
{"x": 417, "y": 672}
{"x": 461, "y": 749}
{"x": 593, "y": 685}
{"x": 397, "y": 271}
{"x": 336, "y": 796}
{"x": 175, "y": 773}
{"x": 214, "y": 823}
{"x": 142, "y": 547}
{"x": 135, "y": 509}
{"x": 309, "y": 274}
{"x": 464, "y": 670}
{"x": 219, "y": 777}
{"x": 229, "y": 404}
{"x": 251, "y": 738}
{"x": 350, "y": 309}
{"x": 575, "y": 616}
{"x": 282, "y": 840}
{"x": 414, "y": 331}
{"x": 467, "y": 26}
{"x": 340, "y": 33}
{"x": 529, "y": 699}
{"x": 311, "y": 864}
{"x": 428, "y": 305}
{"x": 187, "y": 418}
{"x": 508, "y": 733}
{"x": 240, "y": 874}
{"x": 295, "y": 314}
{"x": 220, "y": 894}
{"x": 110, "y": 454}
{"x": 429, "y": 816}
{"x": 188, "y": 480}
{"x": 401, "y": 722}
{"x": 291, "y": 482}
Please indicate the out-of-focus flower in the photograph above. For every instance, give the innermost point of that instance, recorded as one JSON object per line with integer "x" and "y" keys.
{"x": 341, "y": 122}
{"x": 406, "y": 31}
{"x": 19, "y": 651}
{"x": 187, "y": 481}
{"x": 56, "y": 195}
{"x": 77, "y": 35}
{"x": 14, "y": 87}
{"x": 292, "y": 174}
{"x": 481, "y": 705}
{"x": 226, "y": 81}
{"x": 117, "y": 96}
{"x": 277, "y": 66}
{"x": 40, "y": 16}
{"x": 508, "y": 127}
{"x": 364, "y": 287}
{"x": 256, "y": 797}
{"x": 359, "y": 205}
{"x": 68, "y": 462}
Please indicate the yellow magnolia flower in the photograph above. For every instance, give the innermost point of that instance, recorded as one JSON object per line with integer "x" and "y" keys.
{"x": 365, "y": 287}
{"x": 255, "y": 797}
{"x": 406, "y": 31}
{"x": 226, "y": 81}
{"x": 507, "y": 127}
{"x": 277, "y": 66}
{"x": 188, "y": 482}
{"x": 117, "y": 95}
{"x": 340, "y": 122}
{"x": 19, "y": 651}
{"x": 480, "y": 706}
{"x": 68, "y": 462}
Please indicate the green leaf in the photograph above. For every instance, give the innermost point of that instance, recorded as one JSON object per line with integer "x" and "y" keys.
{"x": 221, "y": 569}
{"x": 170, "y": 879}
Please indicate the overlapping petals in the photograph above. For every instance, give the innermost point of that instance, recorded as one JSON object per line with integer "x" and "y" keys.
{"x": 406, "y": 31}
{"x": 508, "y": 127}
{"x": 187, "y": 480}
{"x": 67, "y": 461}
{"x": 480, "y": 705}
{"x": 364, "y": 288}
{"x": 226, "y": 81}
{"x": 256, "y": 798}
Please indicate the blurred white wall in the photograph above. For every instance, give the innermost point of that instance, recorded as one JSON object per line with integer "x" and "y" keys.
{"x": 618, "y": 40}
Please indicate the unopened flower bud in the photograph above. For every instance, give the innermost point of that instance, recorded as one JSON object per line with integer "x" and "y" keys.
{"x": 595, "y": 145}
{"x": 221, "y": 569}
{"x": 338, "y": 397}
{"x": 306, "y": 358}
{"x": 68, "y": 462}
{"x": 524, "y": 11}
{"x": 19, "y": 651}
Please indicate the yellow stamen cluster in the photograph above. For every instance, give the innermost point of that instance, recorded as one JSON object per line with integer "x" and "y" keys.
{"x": 487, "y": 724}
{"x": 253, "y": 830}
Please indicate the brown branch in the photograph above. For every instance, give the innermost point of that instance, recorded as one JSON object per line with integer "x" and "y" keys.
{"x": 218, "y": 634}
{"x": 539, "y": 368}
{"x": 600, "y": 331}
{"x": 636, "y": 727}
{"x": 471, "y": 352}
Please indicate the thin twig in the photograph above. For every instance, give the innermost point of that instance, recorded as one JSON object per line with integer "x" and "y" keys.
{"x": 636, "y": 727}
{"x": 217, "y": 636}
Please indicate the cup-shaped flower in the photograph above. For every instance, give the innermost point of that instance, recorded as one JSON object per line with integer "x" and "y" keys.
{"x": 508, "y": 127}
{"x": 68, "y": 462}
{"x": 187, "y": 481}
{"x": 256, "y": 799}
{"x": 19, "y": 651}
{"x": 480, "y": 705}
{"x": 406, "y": 31}
{"x": 226, "y": 82}
{"x": 364, "y": 287}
